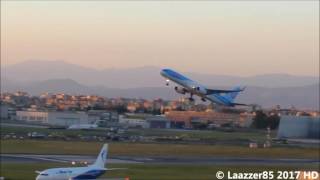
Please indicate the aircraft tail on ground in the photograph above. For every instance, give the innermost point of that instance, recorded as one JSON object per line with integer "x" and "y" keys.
{"x": 232, "y": 95}
{"x": 102, "y": 157}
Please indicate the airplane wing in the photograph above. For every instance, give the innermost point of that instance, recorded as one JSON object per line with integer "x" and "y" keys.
{"x": 217, "y": 91}
{"x": 240, "y": 104}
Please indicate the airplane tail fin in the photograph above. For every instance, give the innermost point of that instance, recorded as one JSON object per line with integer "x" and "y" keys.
{"x": 232, "y": 95}
{"x": 102, "y": 157}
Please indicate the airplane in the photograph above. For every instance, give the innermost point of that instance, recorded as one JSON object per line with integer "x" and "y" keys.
{"x": 74, "y": 173}
{"x": 217, "y": 96}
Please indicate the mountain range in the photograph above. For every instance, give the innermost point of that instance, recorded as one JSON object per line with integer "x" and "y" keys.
{"x": 147, "y": 76}
{"x": 269, "y": 90}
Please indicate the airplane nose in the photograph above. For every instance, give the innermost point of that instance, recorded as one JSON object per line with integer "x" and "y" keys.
{"x": 163, "y": 73}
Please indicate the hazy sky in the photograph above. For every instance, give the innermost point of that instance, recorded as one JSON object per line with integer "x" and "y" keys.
{"x": 219, "y": 37}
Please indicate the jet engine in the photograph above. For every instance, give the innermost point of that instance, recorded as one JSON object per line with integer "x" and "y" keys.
{"x": 180, "y": 90}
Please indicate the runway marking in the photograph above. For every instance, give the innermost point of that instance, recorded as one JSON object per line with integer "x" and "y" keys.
{"x": 155, "y": 160}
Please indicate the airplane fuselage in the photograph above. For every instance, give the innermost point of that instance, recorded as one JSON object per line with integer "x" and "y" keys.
{"x": 72, "y": 173}
{"x": 92, "y": 171}
{"x": 192, "y": 86}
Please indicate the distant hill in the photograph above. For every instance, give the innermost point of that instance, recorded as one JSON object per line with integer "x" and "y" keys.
{"x": 35, "y": 71}
{"x": 300, "y": 97}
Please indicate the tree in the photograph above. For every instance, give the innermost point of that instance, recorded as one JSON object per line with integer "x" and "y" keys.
{"x": 156, "y": 112}
{"x": 260, "y": 120}
{"x": 273, "y": 121}
{"x": 199, "y": 125}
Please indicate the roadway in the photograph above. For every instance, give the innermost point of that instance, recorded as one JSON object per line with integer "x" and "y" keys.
{"x": 23, "y": 158}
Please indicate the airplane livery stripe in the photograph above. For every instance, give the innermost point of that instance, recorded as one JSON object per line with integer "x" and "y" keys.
{"x": 220, "y": 98}
{"x": 175, "y": 75}
{"x": 92, "y": 174}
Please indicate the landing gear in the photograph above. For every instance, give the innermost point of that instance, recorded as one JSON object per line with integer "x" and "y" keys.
{"x": 191, "y": 98}
{"x": 167, "y": 82}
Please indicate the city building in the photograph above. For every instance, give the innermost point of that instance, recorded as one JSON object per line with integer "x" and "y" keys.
{"x": 186, "y": 119}
{"x": 158, "y": 122}
{"x": 4, "y": 111}
{"x": 299, "y": 127}
{"x": 133, "y": 122}
{"x": 53, "y": 118}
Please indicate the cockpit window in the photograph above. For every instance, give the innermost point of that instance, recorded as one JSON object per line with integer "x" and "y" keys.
{"x": 44, "y": 174}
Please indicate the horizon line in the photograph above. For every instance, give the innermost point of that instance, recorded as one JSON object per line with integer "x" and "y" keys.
{"x": 151, "y": 66}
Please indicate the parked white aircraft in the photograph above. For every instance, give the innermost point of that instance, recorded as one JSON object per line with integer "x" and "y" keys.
{"x": 74, "y": 173}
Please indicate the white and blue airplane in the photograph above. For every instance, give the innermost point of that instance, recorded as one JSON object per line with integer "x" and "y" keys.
{"x": 220, "y": 97}
{"x": 74, "y": 173}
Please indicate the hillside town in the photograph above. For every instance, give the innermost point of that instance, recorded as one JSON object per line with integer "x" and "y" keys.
{"x": 65, "y": 110}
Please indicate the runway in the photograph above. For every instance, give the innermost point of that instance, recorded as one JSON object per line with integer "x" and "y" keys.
{"x": 23, "y": 158}
{"x": 28, "y": 158}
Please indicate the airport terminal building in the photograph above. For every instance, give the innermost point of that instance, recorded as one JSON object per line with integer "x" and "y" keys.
{"x": 67, "y": 118}
{"x": 299, "y": 127}
{"x": 159, "y": 122}
{"x": 53, "y": 118}
{"x": 103, "y": 118}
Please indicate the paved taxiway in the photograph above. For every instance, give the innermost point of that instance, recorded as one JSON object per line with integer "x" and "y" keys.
{"x": 23, "y": 158}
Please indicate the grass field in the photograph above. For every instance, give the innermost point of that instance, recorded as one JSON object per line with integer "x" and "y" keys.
{"x": 26, "y": 130}
{"x": 253, "y": 135}
{"x": 26, "y": 171}
{"x": 144, "y": 172}
{"x": 137, "y": 149}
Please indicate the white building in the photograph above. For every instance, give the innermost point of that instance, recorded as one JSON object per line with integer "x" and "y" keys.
{"x": 53, "y": 118}
{"x": 299, "y": 127}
